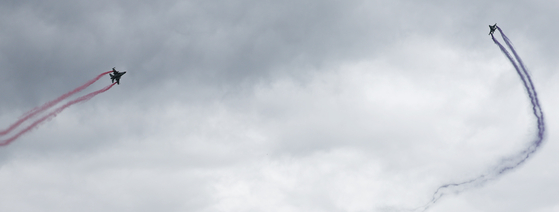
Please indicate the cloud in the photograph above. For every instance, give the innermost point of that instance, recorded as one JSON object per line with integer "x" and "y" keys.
{"x": 273, "y": 105}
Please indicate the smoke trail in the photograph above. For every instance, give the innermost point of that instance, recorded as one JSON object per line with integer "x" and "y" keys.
{"x": 533, "y": 97}
{"x": 535, "y": 101}
{"x": 54, "y": 113}
{"x": 48, "y": 105}
{"x": 513, "y": 161}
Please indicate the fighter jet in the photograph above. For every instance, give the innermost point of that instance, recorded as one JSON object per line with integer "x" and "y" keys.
{"x": 492, "y": 29}
{"x": 116, "y": 76}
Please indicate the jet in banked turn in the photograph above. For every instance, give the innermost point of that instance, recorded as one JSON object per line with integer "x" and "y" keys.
{"x": 492, "y": 29}
{"x": 116, "y": 76}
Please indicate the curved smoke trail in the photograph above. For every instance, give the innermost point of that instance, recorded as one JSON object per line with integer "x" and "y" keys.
{"x": 535, "y": 101}
{"x": 513, "y": 161}
{"x": 48, "y": 105}
{"x": 54, "y": 113}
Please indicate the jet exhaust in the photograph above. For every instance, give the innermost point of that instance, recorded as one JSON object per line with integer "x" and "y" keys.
{"x": 35, "y": 111}
{"x": 48, "y": 105}
{"x": 54, "y": 113}
{"x": 511, "y": 162}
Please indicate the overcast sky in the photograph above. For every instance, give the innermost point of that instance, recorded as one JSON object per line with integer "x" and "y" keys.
{"x": 259, "y": 105}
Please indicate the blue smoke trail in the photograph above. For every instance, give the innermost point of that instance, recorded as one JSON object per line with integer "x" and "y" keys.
{"x": 515, "y": 160}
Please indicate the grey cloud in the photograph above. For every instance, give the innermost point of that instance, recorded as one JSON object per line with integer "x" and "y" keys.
{"x": 272, "y": 105}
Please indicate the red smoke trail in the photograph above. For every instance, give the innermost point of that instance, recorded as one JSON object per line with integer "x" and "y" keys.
{"x": 48, "y": 105}
{"x": 54, "y": 113}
